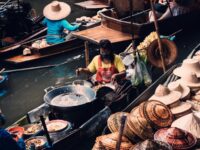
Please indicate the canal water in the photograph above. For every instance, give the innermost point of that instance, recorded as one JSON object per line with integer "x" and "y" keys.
{"x": 25, "y": 89}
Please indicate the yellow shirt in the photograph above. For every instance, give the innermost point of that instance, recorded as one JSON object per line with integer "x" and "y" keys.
{"x": 93, "y": 66}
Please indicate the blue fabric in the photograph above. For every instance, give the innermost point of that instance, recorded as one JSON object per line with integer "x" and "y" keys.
{"x": 56, "y": 28}
{"x": 7, "y": 142}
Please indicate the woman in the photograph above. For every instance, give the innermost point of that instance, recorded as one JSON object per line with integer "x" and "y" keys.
{"x": 107, "y": 66}
{"x": 6, "y": 140}
{"x": 177, "y": 7}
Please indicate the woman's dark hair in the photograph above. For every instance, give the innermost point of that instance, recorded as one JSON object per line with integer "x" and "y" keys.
{"x": 105, "y": 44}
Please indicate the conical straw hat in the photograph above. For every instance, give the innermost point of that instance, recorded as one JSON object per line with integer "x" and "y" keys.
{"x": 114, "y": 121}
{"x": 56, "y": 10}
{"x": 189, "y": 65}
{"x": 177, "y": 138}
{"x": 184, "y": 90}
{"x": 164, "y": 95}
{"x": 157, "y": 114}
{"x": 189, "y": 123}
{"x": 190, "y": 79}
{"x": 140, "y": 126}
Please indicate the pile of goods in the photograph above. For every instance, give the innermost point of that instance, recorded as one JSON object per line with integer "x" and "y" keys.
{"x": 86, "y": 19}
{"x": 169, "y": 119}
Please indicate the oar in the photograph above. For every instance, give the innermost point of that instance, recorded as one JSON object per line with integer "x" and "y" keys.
{"x": 2, "y": 70}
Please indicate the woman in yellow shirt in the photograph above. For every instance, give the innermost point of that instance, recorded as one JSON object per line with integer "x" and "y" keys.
{"x": 107, "y": 66}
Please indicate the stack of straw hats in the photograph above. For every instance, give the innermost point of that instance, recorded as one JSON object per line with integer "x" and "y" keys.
{"x": 172, "y": 96}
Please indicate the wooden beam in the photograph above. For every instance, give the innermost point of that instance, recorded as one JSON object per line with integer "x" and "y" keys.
{"x": 87, "y": 53}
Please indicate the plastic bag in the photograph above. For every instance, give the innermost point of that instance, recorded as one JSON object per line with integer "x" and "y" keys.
{"x": 137, "y": 78}
{"x": 141, "y": 73}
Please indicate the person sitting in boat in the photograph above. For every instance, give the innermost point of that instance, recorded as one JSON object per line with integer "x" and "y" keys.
{"x": 107, "y": 66}
{"x": 6, "y": 140}
{"x": 55, "y": 14}
{"x": 176, "y": 7}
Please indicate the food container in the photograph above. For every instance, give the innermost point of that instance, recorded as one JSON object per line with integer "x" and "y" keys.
{"x": 16, "y": 132}
{"x": 40, "y": 142}
{"x": 58, "y": 129}
{"x": 31, "y": 129}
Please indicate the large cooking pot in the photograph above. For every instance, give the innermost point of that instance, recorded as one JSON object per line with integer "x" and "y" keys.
{"x": 78, "y": 113}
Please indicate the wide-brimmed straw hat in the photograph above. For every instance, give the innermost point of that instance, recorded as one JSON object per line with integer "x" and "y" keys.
{"x": 184, "y": 90}
{"x": 190, "y": 79}
{"x": 189, "y": 65}
{"x": 164, "y": 95}
{"x": 56, "y": 10}
{"x": 156, "y": 113}
{"x": 182, "y": 109}
{"x": 151, "y": 145}
{"x": 189, "y": 123}
{"x": 177, "y": 138}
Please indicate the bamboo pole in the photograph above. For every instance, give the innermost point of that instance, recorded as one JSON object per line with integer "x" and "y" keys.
{"x": 86, "y": 53}
{"x": 123, "y": 121}
{"x": 158, "y": 34}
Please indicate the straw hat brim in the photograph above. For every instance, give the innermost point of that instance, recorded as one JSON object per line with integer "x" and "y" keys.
{"x": 183, "y": 107}
{"x": 189, "y": 84}
{"x": 169, "y": 99}
{"x": 186, "y": 90}
{"x": 180, "y": 71}
{"x": 52, "y": 15}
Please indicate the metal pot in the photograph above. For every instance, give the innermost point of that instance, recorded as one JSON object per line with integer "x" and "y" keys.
{"x": 76, "y": 114}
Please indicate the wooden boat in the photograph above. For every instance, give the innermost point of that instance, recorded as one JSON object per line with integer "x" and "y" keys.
{"x": 140, "y": 27}
{"x": 37, "y": 31}
{"x": 18, "y": 58}
{"x": 14, "y": 54}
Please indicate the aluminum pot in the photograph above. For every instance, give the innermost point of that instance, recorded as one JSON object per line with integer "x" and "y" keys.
{"x": 76, "y": 114}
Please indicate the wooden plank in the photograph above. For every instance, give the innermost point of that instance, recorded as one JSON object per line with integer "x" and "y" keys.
{"x": 101, "y": 32}
{"x": 91, "y": 4}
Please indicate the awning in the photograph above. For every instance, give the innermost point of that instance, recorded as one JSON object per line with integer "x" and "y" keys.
{"x": 101, "y": 32}
{"x": 93, "y": 4}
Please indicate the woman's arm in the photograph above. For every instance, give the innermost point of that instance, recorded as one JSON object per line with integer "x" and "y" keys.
{"x": 68, "y": 26}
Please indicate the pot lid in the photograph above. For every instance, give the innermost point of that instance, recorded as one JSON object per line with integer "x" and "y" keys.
{"x": 152, "y": 145}
{"x": 177, "y": 138}
{"x": 157, "y": 113}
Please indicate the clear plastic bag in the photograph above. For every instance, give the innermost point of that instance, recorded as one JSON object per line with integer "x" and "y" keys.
{"x": 141, "y": 73}
{"x": 137, "y": 78}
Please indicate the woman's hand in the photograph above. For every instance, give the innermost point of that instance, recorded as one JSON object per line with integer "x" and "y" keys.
{"x": 78, "y": 71}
